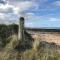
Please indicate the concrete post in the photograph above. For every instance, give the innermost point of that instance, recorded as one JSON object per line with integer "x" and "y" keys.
{"x": 21, "y": 28}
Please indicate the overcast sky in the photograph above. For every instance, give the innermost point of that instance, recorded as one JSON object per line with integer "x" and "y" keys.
{"x": 38, "y": 13}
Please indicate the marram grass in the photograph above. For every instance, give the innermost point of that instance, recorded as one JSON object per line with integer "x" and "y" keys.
{"x": 36, "y": 53}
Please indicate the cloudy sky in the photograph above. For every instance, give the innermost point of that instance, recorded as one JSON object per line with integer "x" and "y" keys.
{"x": 37, "y": 13}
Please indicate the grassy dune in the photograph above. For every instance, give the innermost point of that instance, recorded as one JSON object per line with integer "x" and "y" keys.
{"x": 39, "y": 51}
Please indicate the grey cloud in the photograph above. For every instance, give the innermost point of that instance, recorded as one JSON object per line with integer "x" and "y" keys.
{"x": 3, "y": 2}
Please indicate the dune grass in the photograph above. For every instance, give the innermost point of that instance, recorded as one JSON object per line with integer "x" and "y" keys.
{"x": 37, "y": 52}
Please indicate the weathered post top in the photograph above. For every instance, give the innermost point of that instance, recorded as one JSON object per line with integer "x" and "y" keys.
{"x": 22, "y": 18}
{"x": 21, "y": 28}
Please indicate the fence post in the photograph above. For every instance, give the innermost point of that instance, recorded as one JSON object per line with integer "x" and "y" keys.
{"x": 21, "y": 28}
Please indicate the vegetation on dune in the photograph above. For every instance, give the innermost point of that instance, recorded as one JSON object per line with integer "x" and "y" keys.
{"x": 41, "y": 51}
{"x": 29, "y": 49}
{"x": 6, "y": 31}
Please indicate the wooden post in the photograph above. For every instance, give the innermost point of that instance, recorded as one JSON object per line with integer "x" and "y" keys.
{"x": 21, "y": 28}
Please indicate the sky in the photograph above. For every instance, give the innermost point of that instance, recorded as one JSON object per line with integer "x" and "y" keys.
{"x": 37, "y": 13}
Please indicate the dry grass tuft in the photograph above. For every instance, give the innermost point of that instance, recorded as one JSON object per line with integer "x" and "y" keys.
{"x": 8, "y": 53}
